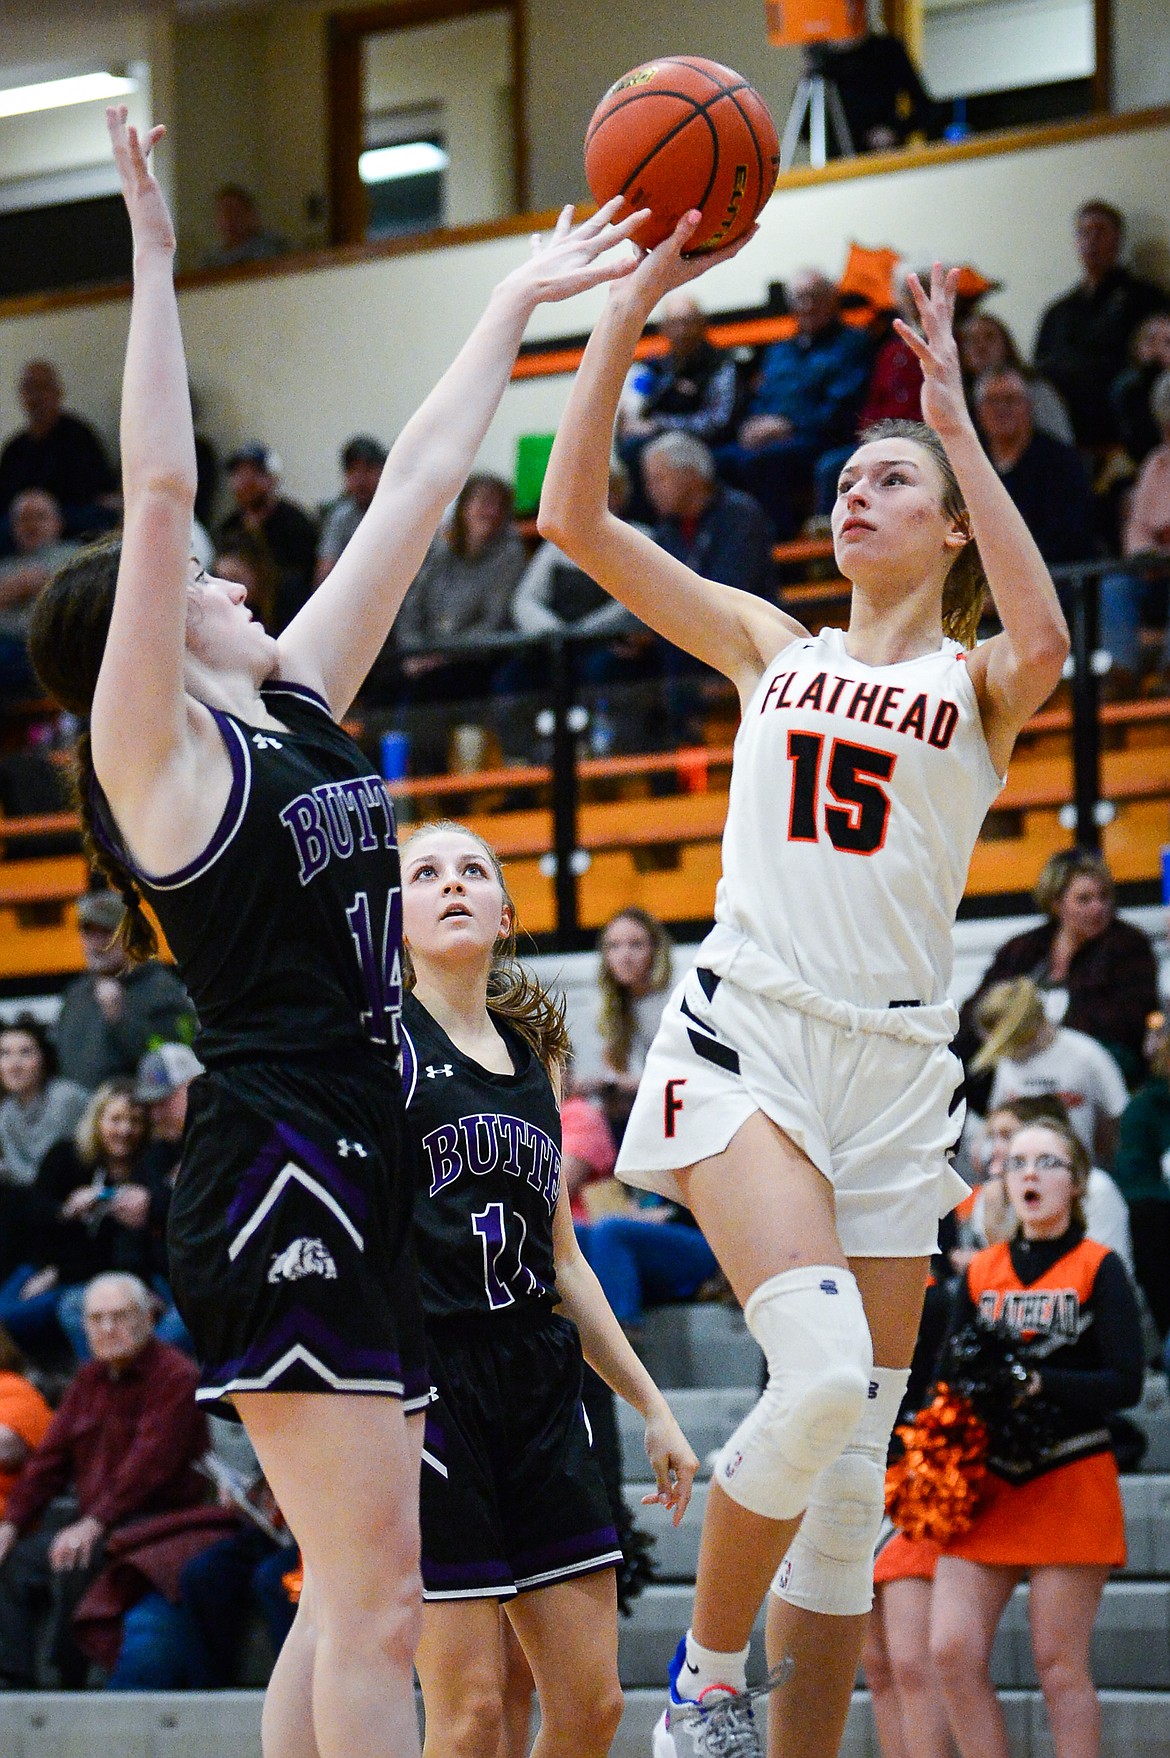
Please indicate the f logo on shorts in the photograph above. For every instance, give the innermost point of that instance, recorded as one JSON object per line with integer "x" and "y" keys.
{"x": 671, "y": 1106}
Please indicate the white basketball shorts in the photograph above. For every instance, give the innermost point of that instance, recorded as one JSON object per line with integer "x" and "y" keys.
{"x": 878, "y": 1117}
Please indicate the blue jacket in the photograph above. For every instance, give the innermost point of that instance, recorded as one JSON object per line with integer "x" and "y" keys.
{"x": 731, "y": 543}
{"x": 818, "y": 383}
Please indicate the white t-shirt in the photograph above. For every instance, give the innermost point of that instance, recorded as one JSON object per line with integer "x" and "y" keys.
{"x": 1073, "y": 1065}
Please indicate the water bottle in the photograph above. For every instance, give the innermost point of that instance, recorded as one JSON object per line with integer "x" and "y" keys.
{"x": 395, "y": 753}
{"x": 602, "y": 730}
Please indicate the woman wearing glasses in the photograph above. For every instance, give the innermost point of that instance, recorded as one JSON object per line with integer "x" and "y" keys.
{"x": 1070, "y": 1302}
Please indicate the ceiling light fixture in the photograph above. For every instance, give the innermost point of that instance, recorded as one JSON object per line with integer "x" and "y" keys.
{"x": 410, "y": 158}
{"x": 55, "y": 94}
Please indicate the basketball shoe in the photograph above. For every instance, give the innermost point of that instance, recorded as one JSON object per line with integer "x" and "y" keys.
{"x": 720, "y": 1723}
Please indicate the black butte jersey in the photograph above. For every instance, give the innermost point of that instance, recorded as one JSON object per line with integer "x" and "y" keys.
{"x": 287, "y": 928}
{"x": 490, "y": 1172}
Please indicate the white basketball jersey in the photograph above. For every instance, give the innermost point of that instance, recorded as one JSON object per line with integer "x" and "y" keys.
{"x": 857, "y": 794}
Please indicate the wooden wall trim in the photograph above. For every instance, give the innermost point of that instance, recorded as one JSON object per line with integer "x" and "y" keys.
{"x": 446, "y": 238}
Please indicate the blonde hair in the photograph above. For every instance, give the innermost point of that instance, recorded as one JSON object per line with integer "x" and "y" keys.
{"x": 513, "y": 993}
{"x": 87, "y": 1136}
{"x": 1009, "y": 1016}
{"x": 1078, "y": 1158}
{"x": 1059, "y": 871}
{"x": 617, "y": 1015}
{"x": 965, "y": 588}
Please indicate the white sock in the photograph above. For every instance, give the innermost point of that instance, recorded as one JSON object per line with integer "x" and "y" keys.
{"x": 704, "y": 1666}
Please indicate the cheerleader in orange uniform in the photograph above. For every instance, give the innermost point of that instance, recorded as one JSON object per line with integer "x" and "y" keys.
{"x": 1070, "y": 1302}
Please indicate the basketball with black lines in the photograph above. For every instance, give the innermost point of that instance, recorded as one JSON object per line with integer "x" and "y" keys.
{"x": 682, "y": 133}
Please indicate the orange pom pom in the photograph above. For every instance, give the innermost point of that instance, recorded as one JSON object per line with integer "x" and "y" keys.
{"x": 294, "y": 1581}
{"x": 934, "y": 1490}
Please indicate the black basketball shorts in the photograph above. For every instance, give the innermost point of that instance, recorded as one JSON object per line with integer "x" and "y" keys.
{"x": 512, "y": 1496}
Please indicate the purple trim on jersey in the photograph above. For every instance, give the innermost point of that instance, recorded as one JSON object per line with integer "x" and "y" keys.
{"x": 280, "y": 687}
{"x": 346, "y": 1360}
{"x": 231, "y": 818}
{"x": 409, "y": 1064}
{"x": 270, "y": 1162}
{"x": 565, "y": 1550}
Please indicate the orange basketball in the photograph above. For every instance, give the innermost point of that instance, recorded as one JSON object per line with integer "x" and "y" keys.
{"x": 684, "y": 133}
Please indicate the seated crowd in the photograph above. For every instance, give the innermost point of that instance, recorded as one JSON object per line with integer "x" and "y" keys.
{"x": 134, "y": 1556}
{"x": 726, "y": 450}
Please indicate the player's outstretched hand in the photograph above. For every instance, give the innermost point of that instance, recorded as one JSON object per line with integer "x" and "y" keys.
{"x": 150, "y": 222}
{"x": 570, "y": 259}
{"x": 672, "y": 1461}
{"x": 667, "y": 266}
{"x": 943, "y": 403}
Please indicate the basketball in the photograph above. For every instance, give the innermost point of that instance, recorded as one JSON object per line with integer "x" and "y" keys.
{"x": 684, "y": 133}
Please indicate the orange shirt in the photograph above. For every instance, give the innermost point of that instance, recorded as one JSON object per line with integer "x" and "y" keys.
{"x": 24, "y": 1411}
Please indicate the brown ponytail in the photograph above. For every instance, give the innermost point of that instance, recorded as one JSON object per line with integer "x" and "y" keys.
{"x": 66, "y": 643}
{"x": 513, "y": 993}
{"x": 965, "y": 588}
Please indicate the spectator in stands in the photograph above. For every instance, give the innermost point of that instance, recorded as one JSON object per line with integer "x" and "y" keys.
{"x": 894, "y": 394}
{"x": 39, "y": 1106}
{"x": 987, "y": 345}
{"x": 39, "y": 547}
{"x": 885, "y": 102}
{"x": 804, "y": 403}
{"x": 1084, "y": 336}
{"x": 1031, "y": 1056}
{"x": 465, "y": 586}
{"x": 111, "y": 1013}
{"x": 1097, "y": 974}
{"x": 1137, "y": 425}
{"x": 249, "y": 562}
{"x": 992, "y": 1217}
{"x": 254, "y": 479}
{"x": 362, "y": 459}
{"x": 555, "y": 597}
{"x": 58, "y": 452}
{"x": 720, "y": 532}
{"x": 689, "y": 389}
{"x": 90, "y": 1208}
{"x": 645, "y": 1251}
{"x": 222, "y": 1585}
{"x": 123, "y": 1444}
{"x": 242, "y": 234}
{"x": 162, "y": 1084}
{"x": 635, "y": 970}
{"x": 1141, "y": 1168}
{"x": 1045, "y": 478}
{"x": 24, "y": 1416}
{"x": 1062, "y": 1525}
{"x": 1128, "y": 596}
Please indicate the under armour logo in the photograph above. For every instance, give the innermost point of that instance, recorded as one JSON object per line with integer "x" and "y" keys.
{"x": 346, "y": 1148}
{"x": 262, "y": 742}
{"x": 828, "y": 1286}
{"x": 437, "y": 1068}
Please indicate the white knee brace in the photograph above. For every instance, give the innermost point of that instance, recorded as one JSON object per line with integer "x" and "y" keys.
{"x": 811, "y": 1325}
{"x": 829, "y": 1566}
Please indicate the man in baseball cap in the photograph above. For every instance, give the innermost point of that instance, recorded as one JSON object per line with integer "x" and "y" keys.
{"x": 113, "y": 1010}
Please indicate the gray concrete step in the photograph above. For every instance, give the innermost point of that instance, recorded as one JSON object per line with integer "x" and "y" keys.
{"x": 1131, "y": 1641}
{"x": 1134, "y": 1724}
{"x": 226, "y": 1724}
{"x": 1147, "y": 1525}
{"x": 708, "y": 1413}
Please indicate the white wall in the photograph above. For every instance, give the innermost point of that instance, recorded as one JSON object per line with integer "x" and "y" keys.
{"x": 462, "y": 65}
{"x": 304, "y": 360}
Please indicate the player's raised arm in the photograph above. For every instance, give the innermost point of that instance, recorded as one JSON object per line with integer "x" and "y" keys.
{"x": 1015, "y": 672}
{"x": 335, "y": 639}
{"x": 139, "y": 706}
{"x": 734, "y": 631}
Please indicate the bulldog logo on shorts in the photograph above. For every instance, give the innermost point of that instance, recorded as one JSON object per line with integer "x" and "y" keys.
{"x": 304, "y": 1257}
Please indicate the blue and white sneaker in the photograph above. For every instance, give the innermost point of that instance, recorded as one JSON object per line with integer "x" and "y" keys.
{"x": 719, "y": 1723}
